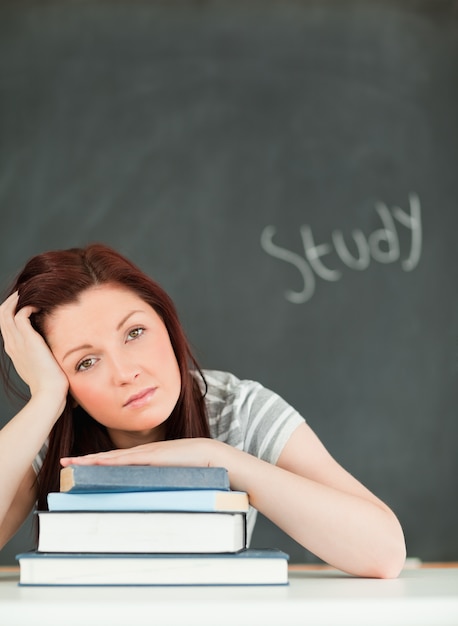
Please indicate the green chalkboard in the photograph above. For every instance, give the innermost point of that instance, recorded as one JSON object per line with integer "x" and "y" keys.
{"x": 288, "y": 172}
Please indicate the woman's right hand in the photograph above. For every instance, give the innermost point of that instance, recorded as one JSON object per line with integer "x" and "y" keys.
{"x": 31, "y": 356}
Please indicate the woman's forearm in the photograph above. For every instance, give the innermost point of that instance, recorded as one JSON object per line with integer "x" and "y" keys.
{"x": 347, "y": 531}
{"x": 20, "y": 441}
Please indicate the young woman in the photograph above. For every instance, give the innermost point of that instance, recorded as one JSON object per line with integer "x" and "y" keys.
{"x": 112, "y": 381}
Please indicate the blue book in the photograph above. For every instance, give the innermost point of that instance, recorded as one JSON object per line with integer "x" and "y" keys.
{"x": 102, "y": 478}
{"x": 249, "y": 567}
{"x": 182, "y": 500}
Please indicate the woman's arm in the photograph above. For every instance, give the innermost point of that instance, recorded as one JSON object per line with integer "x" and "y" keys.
{"x": 23, "y": 436}
{"x": 320, "y": 505}
{"x": 307, "y": 494}
{"x": 21, "y": 506}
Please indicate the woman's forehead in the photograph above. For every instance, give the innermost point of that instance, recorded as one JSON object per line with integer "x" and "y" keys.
{"x": 101, "y": 304}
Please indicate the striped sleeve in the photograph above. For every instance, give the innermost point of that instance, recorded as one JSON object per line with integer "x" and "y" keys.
{"x": 38, "y": 461}
{"x": 269, "y": 422}
{"x": 249, "y": 416}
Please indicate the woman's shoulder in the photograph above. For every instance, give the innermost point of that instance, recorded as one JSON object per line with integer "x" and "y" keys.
{"x": 227, "y": 386}
{"x": 245, "y": 413}
{"x": 228, "y": 401}
{"x": 220, "y": 379}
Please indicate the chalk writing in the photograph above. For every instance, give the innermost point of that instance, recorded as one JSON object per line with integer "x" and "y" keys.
{"x": 382, "y": 246}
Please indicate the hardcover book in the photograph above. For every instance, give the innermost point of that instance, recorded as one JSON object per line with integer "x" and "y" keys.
{"x": 144, "y": 531}
{"x": 250, "y": 567}
{"x": 102, "y": 478}
{"x": 181, "y": 500}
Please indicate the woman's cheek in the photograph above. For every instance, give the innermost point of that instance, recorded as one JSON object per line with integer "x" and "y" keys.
{"x": 87, "y": 396}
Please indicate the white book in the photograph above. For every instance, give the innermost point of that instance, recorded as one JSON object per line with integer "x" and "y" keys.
{"x": 127, "y": 531}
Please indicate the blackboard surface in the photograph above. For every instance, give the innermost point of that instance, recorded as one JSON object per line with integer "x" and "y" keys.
{"x": 288, "y": 172}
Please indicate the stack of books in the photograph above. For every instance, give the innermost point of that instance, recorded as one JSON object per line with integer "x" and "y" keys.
{"x": 144, "y": 525}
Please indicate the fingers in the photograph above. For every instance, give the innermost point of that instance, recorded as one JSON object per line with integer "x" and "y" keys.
{"x": 27, "y": 349}
{"x": 192, "y": 451}
{"x": 8, "y": 310}
{"x": 11, "y": 301}
{"x": 8, "y": 307}
{"x": 9, "y": 318}
{"x": 137, "y": 455}
{"x": 7, "y": 322}
{"x": 112, "y": 455}
{"x": 129, "y": 456}
{"x": 14, "y": 324}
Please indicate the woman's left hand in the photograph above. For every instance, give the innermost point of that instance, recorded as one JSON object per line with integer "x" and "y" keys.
{"x": 199, "y": 451}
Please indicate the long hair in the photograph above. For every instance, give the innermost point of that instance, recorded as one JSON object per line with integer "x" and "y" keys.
{"x": 56, "y": 278}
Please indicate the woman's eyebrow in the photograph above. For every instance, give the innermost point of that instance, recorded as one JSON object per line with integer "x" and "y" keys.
{"x": 124, "y": 319}
{"x": 87, "y": 346}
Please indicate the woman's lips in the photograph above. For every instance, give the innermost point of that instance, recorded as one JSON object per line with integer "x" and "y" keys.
{"x": 141, "y": 398}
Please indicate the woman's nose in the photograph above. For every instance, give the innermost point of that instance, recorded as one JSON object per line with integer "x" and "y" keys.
{"x": 123, "y": 370}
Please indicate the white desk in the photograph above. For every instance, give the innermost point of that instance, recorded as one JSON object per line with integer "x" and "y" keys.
{"x": 419, "y": 597}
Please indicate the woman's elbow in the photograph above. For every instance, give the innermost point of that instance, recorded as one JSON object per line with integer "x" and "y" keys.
{"x": 391, "y": 559}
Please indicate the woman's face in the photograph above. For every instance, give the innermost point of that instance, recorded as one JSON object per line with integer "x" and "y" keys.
{"x": 116, "y": 353}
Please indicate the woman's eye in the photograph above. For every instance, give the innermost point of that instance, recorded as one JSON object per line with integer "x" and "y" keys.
{"x": 135, "y": 333}
{"x": 85, "y": 364}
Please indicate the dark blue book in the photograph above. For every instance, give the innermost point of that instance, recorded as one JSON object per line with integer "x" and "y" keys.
{"x": 111, "y": 478}
{"x": 250, "y": 567}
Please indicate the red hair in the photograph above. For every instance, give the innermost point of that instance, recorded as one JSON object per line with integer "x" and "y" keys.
{"x": 55, "y": 278}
